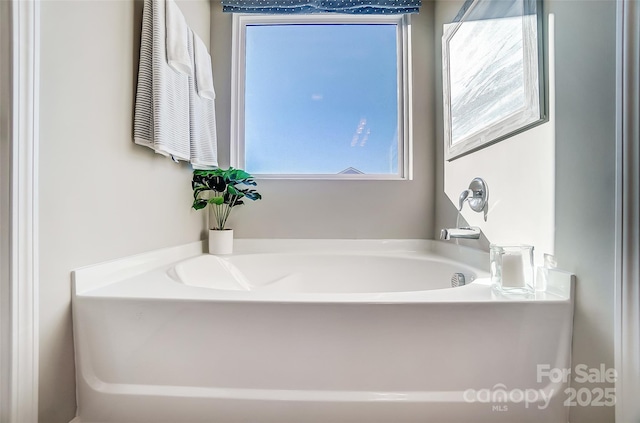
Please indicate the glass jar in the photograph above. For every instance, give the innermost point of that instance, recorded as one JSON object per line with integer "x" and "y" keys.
{"x": 512, "y": 268}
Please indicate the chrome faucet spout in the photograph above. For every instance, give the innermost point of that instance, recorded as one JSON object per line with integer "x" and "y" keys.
{"x": 472, "y": 232}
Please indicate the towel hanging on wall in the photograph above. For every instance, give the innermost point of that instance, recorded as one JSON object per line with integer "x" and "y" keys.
{"x": 161, "y": 115}
{"x": 204, "y": 141}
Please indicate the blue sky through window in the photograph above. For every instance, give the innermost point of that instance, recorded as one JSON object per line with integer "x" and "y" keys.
{"x": 321, "y": 98}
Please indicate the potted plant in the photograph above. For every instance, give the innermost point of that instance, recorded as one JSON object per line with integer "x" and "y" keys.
{"x": 221, "y": 190}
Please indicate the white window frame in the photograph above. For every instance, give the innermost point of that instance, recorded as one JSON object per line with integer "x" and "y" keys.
{"x": 405, "y": 133}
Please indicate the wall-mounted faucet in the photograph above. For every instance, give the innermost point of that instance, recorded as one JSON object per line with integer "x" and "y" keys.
{"x": 477, "y": 196}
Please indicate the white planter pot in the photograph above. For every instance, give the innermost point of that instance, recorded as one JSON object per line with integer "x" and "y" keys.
{"x": 221, "y": 241}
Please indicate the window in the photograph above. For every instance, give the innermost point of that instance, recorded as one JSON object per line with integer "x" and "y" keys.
{"x": 321, "y": 96}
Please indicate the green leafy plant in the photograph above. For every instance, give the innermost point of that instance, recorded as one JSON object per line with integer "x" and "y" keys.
{"x": 222, "y": 190}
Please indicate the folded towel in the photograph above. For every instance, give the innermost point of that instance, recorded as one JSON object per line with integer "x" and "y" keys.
{"x": 204, "y": 75}
{"x": 204, "y": 140}
{"x": 161, "y": 117}
{"x": 177, "y": 35}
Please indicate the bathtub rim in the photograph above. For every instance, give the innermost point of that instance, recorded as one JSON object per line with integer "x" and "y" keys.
{"x": 88, "y": 281}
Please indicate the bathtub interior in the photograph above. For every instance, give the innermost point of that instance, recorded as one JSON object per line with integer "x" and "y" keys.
{"x": 321, "y": 272}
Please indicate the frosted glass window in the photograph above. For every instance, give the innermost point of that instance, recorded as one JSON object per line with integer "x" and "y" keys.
{"x": 322, "y": 99}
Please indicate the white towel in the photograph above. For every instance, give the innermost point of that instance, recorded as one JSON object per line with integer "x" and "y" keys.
{"x": 204, "y": 140}
{"x": 161, "y": 117}
{"x": 177, "y": 36}
{"x": 204, "y": 75}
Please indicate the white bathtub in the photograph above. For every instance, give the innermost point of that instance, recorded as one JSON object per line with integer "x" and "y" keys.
{"x": 314, "y": 331}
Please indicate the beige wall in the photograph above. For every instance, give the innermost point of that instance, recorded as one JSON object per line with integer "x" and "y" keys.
{"x": 339, "y": 209}
{"x": 585, "y": 178}
{"x": 101, "y": 196}
{"x": 582, "y": 139}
